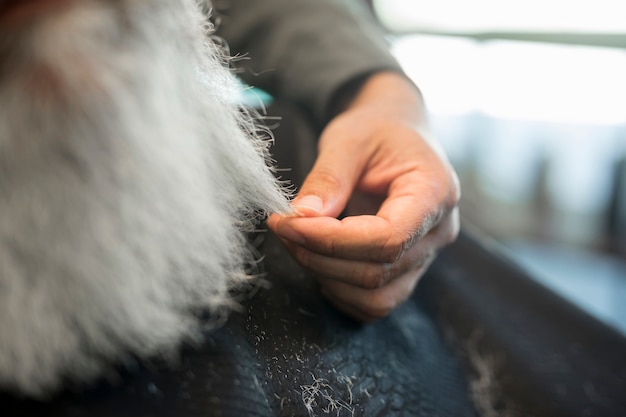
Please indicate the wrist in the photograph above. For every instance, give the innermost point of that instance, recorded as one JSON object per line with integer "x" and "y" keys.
{"x": 391, "y": 93}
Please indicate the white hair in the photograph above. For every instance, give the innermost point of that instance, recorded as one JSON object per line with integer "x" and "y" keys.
{"x": 128, "y": 176}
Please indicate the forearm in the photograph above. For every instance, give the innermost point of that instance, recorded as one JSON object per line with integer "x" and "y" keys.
{"x": 390, "y": 93}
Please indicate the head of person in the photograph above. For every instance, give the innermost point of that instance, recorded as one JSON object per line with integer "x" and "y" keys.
{"x": 128, "y": 177}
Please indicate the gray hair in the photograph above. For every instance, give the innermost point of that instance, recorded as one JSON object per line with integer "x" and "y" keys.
{"x": 128, "y": 177}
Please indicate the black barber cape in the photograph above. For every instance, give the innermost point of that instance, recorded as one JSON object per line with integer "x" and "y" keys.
{"x": 476, "y": 331}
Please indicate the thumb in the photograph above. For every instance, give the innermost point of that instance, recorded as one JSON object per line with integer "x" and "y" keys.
{"x": 327, "y": 188}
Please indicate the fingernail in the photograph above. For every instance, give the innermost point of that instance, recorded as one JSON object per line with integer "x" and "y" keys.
{"x": 287, "y": 232}
{"x": 308, "y": 204}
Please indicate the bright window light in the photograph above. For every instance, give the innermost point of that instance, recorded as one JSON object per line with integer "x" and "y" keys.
{"x": 581, "y": 16}
{"x": 517, "y": 80}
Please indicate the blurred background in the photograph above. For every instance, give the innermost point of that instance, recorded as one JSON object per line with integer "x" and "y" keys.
{"x": 529, "y": 100}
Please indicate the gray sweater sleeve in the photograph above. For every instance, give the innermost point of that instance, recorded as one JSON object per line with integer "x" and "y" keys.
{"x": 302, "y": 50}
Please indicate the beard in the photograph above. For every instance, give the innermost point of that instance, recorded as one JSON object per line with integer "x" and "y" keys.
{"x": 128, "y": 177}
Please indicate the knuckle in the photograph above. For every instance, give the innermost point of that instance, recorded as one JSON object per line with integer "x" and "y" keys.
{"x": 423, "y": 263}
{"x": 394, "y": 249}
{"x": 452, "y": 234}
{"x": 387, "y": 273}
{"x": 375, "y": 277}
{"x": 454, "y": 195}
{"x": 378, "y": 307}
{"x": 304, "y": 257}
{"x": 328, "y": 179}
{"x": 452, "y": 229}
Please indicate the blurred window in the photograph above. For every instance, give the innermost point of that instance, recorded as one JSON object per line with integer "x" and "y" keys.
{"x": 529, "y": 101}
{"x": 550, "y": 16}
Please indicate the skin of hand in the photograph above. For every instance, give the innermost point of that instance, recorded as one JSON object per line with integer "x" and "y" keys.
{"x": 378, "y": 165}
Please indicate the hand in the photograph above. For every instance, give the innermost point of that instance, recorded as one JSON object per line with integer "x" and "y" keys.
{"x": 398, "y": 190}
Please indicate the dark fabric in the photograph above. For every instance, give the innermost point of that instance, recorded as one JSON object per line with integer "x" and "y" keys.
{"x": 288, "y": 349}
{"x": 302, "y": 51}
{"x": 546, "y": 357}
{"x": 553, "y": 359}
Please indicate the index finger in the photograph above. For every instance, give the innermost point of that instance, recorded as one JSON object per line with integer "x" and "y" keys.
{"x": 365, "y": 238}
{"x": 413, "y": 207}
